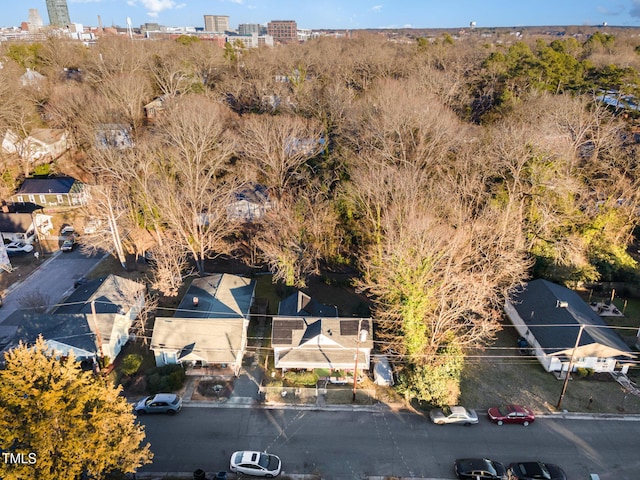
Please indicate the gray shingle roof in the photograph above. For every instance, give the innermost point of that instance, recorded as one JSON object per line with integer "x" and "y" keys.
{"x": 554, "y": 314}
{"x": 68, "y": 329}
{"x": 220, "y": 295}
{"x": 314, "y": 342}
{"x": 110, "y": 294}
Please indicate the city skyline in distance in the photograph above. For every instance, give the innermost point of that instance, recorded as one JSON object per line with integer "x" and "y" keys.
{"x": 337, "y": 14}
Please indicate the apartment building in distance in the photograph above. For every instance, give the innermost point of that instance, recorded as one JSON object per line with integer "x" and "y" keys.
{"x": 216, "y": 23}
{"x": 58, "y": 13}
{"x": 251, "y": 28}
{"x": 283, "y": 31}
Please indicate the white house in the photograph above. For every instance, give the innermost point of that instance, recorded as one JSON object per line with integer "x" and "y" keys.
{"x": 553, "y": 318}
{"x": 41, "y": 144}
{"x": 249, "y": 204}
{"x": 95, "y": 320}
{"x": 210, "y": 325}
{"x": 331, "y": 343}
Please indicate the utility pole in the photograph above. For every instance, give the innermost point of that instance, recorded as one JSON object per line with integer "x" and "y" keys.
{"x": 566, "y": 378}
{"x": 362, "y": 336}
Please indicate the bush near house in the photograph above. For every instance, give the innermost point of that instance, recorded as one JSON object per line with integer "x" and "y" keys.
{"x": 131, "y": 364}
{"x": 300, "y": 379}
{"x": 166, "y": 379}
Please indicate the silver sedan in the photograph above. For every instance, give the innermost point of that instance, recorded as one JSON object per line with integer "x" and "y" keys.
{"x": 457, "y": 414}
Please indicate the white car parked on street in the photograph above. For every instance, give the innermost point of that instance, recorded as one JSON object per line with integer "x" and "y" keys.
{"x": 257, "y": 464}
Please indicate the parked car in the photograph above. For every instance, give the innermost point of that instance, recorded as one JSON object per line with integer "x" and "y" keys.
{"x": 511, "y": 414}
{"x": 457, "y": 414}
{"x": 535, "y": 471}
{"x": 479, "y": 469}
{"x": 66, "y": 229}
{"x": 168, "y": 403}
{"x": 18, "y": 247}
{"x": 258, "y": 464}
{"x": 69, "y": 244}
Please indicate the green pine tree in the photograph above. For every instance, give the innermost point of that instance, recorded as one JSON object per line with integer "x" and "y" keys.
{"x": 63, "y": 421}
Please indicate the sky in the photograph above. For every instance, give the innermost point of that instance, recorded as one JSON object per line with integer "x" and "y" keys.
{"x": 339, "y": 14}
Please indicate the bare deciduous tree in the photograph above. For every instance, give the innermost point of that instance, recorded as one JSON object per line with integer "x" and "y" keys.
{"x": 279, "y": 146}
{"x": 191, "y": 191}
{"x": 296, "y": 235}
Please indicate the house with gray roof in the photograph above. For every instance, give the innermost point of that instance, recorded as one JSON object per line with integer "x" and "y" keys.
{"x": 553, "y": 319}
{"x": 209, "y": 326}
{"x": 94, "y": 321}
{"x": 333, "y": 343}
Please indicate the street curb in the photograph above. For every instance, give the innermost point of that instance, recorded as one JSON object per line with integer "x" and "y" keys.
{"x": 381, "y": 408}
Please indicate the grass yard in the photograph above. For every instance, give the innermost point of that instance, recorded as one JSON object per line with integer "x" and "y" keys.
{"x": 500, "y": 375}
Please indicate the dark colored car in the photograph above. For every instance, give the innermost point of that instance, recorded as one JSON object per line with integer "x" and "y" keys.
{"x": 69, "y": 244}
{"x": 479, "y": 469}
{"x": 536, "y": 471}
{"x": 511, "y": 414}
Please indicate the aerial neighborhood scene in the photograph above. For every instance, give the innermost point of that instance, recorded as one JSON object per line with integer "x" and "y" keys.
{"x": 259, "y": 238}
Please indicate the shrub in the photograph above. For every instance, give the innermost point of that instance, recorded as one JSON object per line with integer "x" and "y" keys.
{"x": 131, "y": 364}
{"x": 167, "y": 378}
{"x": 301, "y": 378}
{"x": 584, "y": 372}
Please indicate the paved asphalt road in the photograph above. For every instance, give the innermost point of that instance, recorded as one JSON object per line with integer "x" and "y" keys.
{"x": 349, "y": 445}
{"x": 54, "y": 278}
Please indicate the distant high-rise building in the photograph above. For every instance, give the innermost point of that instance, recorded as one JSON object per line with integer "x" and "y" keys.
{"x": 35, "y": 20}
{"x": 249, "y": 28}
{"x": 58, "y": 13}
{"x": 216, "y": 23}
{"x": 283, "y": 31}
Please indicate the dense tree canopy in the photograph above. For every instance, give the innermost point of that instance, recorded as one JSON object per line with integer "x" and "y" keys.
{"x": 443, "y": 172}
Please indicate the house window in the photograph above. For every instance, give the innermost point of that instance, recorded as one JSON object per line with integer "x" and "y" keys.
{"x": 59, "y": 199}
{"x": 43, "y": 200}
{"x": 20, "y": 199}
{"x": 32, "y": 198}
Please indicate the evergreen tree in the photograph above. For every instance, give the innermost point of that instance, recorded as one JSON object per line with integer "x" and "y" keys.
{"x": 57, "y": 421}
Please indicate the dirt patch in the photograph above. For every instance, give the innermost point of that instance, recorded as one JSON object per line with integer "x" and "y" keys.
{"x": 213, "y": 390}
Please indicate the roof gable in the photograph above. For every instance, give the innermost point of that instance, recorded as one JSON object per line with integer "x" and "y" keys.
{"x": 293, "y": 332}
{"x": 301, "y": 304}
{"x": 110, "y": 295}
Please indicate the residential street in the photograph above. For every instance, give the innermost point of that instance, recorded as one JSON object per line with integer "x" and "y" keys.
{"x": 54, "y": 279}
{"x": 346, "y": 443}
{"x": 355, "y": 444}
